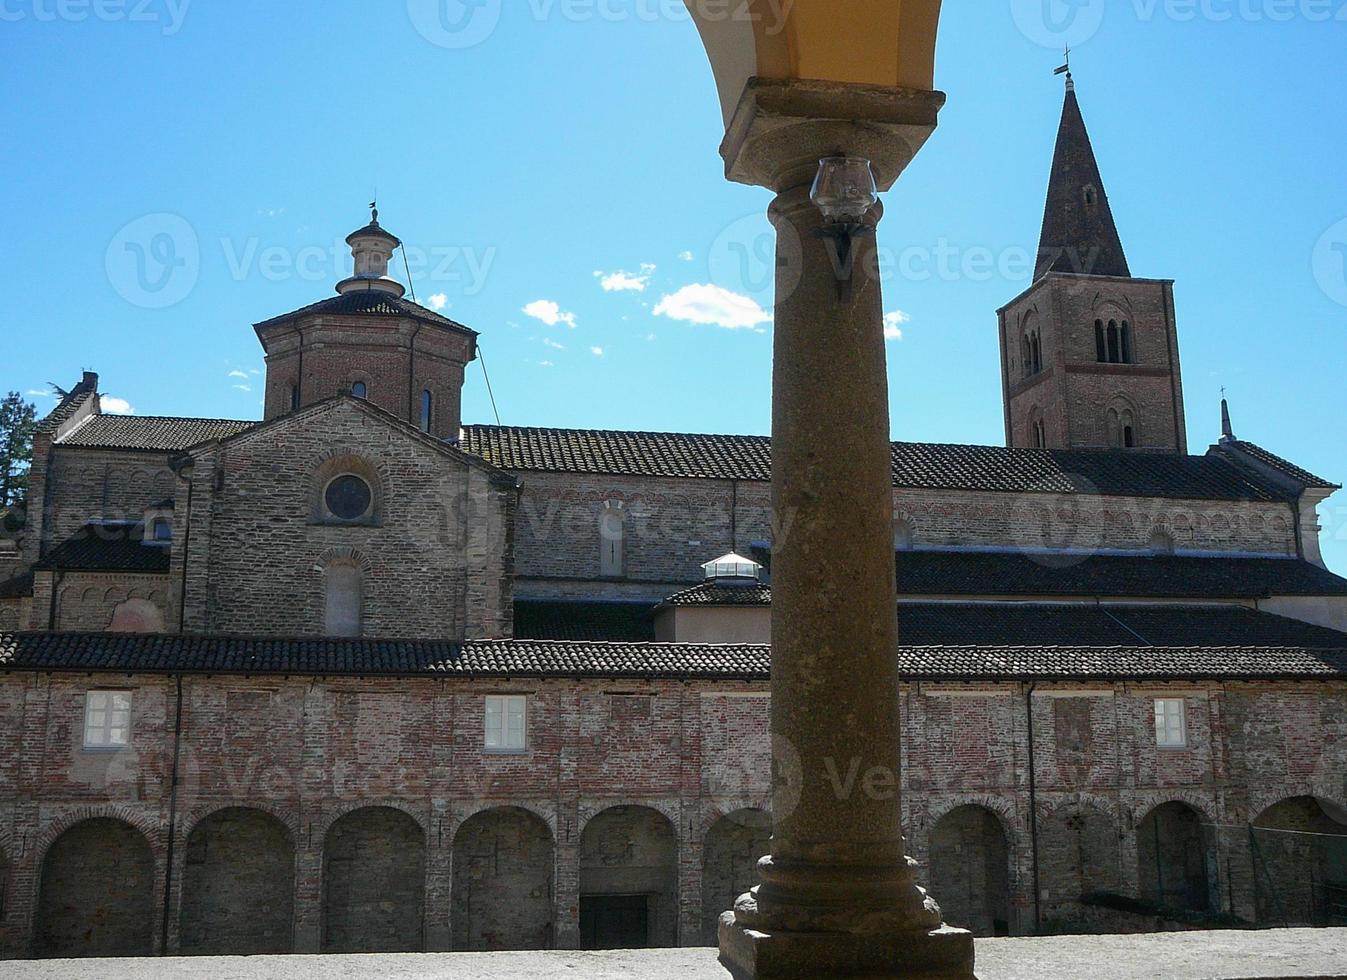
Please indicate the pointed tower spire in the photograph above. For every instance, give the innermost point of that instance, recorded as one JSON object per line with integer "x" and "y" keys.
{"x": 1227, "y": 430}
{"x": 1079, "y": 234}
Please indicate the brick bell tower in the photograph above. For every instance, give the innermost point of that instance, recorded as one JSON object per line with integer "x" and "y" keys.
{"x": 370, "y": 342}
{"x": 1089, "y": 353}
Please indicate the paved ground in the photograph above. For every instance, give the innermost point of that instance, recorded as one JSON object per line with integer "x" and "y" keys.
{"x": 1288, "y": 953}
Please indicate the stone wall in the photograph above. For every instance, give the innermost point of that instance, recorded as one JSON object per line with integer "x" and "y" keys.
{"x": 623, "y": 789}
{"x": 672, "y": 527}
{"x": 116, "y": 602}
{"x": 434, "y": 556}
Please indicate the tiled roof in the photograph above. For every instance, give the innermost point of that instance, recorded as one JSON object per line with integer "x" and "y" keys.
{"x": 1290, "y": 469}
{"x": 19, "y": 587}
{"x": 107, "y": 547}
{"x": 560, "y": 619}
{"x": 150, "y": 433}
{"x": 531, "y": 658}
{"x": 915, "y": 465}
{"x": 722, "y": 594}
{"x": 957, "y": 573}
{"x": 1076, "y": 626}
{"x": 1022, "y": 624}
{"x": 367, "y": 302}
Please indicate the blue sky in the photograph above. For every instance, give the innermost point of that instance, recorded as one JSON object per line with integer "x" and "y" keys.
{"x": 580, "y": 137}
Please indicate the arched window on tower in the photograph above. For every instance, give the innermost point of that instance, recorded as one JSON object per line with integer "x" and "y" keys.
{"x": 1100, "y": 342}
{"x": 360, "y": 389}
{"x": 1126, "y": 342}
{"x": 1038, "y": 353}
{"x": 1114, "y": 343}
{"x": 1038, "y": 432}
{"x": 1129, "y": 430}
{"x": 427, "y": 403}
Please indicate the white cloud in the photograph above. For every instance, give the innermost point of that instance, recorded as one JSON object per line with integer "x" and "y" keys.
{"x": 549, "y": 313}
{"x": 243, "y": 375}
{"x": 112, "y": 405}
{"x": 650, "y": 337}
{"x": 893, "y": 324}
{"x": 438, "y": 302}
{"x": 548, "y": 341}
{"x": 707, "y": 304}
{"x": 41, "y": 393}
{"x": 546, "y": 364}
{"x": 686, "y": 256}
{"x": 626, "y": 282}
{"x": 243, "y": 387}
{"x": 253, "y": 371}
{"x": 596, "y": 351}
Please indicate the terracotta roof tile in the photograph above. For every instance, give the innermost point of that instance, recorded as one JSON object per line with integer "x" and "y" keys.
{"x": 150, "y": 433}
{"x": 915, "y": 465}
{"x": 237, "y": 655}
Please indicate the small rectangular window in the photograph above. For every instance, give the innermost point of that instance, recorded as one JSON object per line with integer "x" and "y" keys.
{"x": 506, "y": 729}
{"x": 1171, "y": 728}
{"x": 107, "y": 719}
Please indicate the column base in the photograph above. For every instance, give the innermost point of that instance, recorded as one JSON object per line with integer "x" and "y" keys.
{"x": 942, "y": 954}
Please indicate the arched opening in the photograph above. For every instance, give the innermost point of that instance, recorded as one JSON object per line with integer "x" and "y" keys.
{"x": 502, "y": 888}
{"x": 1126, "y": 342}
{"x": 1114, "y": 343}
{"x": 734, "y": 845}
{"x": 1077, "y": 855}
{"x": 373, "y": 883}
{"x": 903, "y": 537}
{"x": 97, "y": 893}
{"x": 628, "y": 880}
{"x": 360, "y": 389}
{"x": 1162, "y": 542}
{"x": 1100, "y": 342}
{"x": 136, "y": 616}
{"x": 612, "y": 540}
{"x": 970, "y": 870}
{"x": 343, "y": 599}
{"x": 238, "y": 893}
{"x": 427, "y": 404}
{"x": 1300, "y": 863}
{"x": 1173, "y": 844}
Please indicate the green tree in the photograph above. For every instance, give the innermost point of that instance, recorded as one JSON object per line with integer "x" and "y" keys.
{"x": 18, "y": 418}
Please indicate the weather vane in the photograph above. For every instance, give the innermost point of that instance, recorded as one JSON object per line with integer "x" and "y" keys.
{"x": 374, "y": 211}
{"x": 1066, "y": 68}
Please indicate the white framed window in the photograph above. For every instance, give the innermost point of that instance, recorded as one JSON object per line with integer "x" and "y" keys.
{"x": 506, "y": 723}
{"x": 1171, "y": 724}
{"x": 107, "y": 719}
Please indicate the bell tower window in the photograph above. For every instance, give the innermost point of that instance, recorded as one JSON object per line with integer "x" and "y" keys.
{"x": 427, "y": 403}
{"x": 360, "y": 390}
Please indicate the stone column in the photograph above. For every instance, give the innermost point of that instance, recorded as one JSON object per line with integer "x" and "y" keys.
{"x": 837, "y": 897}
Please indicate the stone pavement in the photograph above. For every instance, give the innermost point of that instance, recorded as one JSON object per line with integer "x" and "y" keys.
{"x": 1282, "y": 953}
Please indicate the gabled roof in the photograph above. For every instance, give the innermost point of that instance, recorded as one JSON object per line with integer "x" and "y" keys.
{"x": 1273, "y": 461}
{"x": 128, "y": 653}
{"x": 379, "y": 415}
{"x": 1079, "y": 233}
{"x": 150, "y": 433}
{"x": 366, "y": 302}
{"x": 915, "y": 465}
{"x": 109, "y": 546}
{"x": 83, "y": 390}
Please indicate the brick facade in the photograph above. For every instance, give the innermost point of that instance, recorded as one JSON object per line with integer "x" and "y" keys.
{"x": 399, "y": 831}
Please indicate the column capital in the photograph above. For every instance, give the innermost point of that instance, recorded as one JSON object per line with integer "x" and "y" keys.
{"x": 782, "y": 128}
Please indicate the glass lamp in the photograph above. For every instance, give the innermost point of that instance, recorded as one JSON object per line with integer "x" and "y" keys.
{"x": 845, "y": 189}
